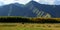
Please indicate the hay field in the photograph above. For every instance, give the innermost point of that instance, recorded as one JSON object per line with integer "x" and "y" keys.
{"x": 29, "y": 26}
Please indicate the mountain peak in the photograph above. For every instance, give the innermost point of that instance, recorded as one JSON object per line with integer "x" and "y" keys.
{"x": 31, "y": 2}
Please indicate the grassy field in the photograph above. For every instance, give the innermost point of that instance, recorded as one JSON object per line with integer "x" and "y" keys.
{"x": 28, "y": 26}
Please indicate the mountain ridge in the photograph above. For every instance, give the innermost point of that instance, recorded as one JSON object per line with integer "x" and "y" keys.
{"x": 26, "y": 10}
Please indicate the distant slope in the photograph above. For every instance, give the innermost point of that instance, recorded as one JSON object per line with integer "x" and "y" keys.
{"x": 14, "y": 8}
{"x": 53, "y": 10}
{"x": 31, "y": 9}
{"x": 4, "y": 10}
{"x": 35, "y": 8}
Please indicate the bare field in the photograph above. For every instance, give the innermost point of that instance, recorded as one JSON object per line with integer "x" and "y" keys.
{"x": 28, "y": 26}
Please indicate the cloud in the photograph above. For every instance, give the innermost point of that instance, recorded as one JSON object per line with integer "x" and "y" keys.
{"x": 23, "y": 1}
{"x": 50, "y": 2}
{"x": 57, "y": 2}
{"x": 37, "y": 0}
{"x": 5, "y": 2}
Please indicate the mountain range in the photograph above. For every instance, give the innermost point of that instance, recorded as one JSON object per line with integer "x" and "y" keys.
{"x": 31, "y": 9}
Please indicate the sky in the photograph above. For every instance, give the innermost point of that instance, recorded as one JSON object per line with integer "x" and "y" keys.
{"x": 50, "y": 2}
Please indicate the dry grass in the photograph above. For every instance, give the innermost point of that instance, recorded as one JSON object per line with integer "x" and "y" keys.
{"x": 31, "y": 26}
{"x": 37, "y": 18}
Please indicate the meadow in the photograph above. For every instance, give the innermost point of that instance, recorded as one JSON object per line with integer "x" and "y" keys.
{"x": 29, "y": 26}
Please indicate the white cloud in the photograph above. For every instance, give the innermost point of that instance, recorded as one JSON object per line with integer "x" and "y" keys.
{"x": 57, "y": 2}
{"x": 8, "y": 1}
{"x": 37, "y": 0}
{"x": 50, "y": 2}
{"x": 23, "y": 1}
{"x": 5, "y": 2}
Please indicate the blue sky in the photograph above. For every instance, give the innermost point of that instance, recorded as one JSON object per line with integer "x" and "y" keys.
{"x": 50, "y": 2}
